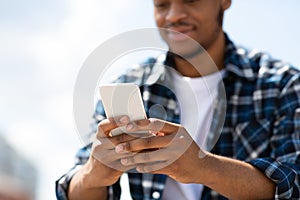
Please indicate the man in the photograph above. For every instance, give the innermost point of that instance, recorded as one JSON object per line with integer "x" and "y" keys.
{"x": 257, "y": 154}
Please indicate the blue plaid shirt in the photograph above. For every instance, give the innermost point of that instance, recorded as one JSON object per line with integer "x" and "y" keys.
{"x": 262, "y": 121}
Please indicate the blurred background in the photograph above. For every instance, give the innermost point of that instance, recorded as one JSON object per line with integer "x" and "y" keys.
{"x": 42, "y": 47}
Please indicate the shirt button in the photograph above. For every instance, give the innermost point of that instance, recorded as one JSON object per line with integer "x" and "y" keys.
{"x": 156, "y": 195}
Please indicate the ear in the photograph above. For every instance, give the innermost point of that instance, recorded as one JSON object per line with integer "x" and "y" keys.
{"x": 226, "y": 4}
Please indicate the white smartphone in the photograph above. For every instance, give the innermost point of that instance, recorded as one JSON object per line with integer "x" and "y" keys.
{"x": 123, "y": 99}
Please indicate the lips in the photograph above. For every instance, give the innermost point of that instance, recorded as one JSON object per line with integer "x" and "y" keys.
{"x": 179, "y": 33}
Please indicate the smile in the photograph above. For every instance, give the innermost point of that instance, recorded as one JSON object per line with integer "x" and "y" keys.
{"x": 178, "y": 34}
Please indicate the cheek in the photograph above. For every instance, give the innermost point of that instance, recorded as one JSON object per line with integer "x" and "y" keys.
{"x": 159, "y": 19}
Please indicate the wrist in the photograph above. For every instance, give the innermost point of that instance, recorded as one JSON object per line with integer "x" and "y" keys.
{"x": 90, "y": 175}
{"x": 80, "y": 187}
{"x": 204, "y": 169}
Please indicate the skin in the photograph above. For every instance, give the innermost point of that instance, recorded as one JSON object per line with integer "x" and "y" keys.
{"x": 103, "y": 167}
{"x": 177, "y": 150}
{"x": 172, "y": 148}
{"x": 197, "y": 19}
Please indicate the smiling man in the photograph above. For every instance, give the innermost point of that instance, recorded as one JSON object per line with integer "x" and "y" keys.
{"x": 257, "y": 153}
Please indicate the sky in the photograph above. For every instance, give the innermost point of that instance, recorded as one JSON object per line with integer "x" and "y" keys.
{"x": 44, "y": 44}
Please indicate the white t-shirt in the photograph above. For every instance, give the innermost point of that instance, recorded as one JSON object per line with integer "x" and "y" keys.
{"x": 196, "y": 97}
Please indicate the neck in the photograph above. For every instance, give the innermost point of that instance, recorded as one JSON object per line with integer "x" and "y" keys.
{"x": 203, "y": 63}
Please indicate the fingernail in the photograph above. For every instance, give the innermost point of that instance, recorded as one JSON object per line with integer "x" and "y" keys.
{"x": 153, "y": 132}
{"x": 124, "y": 161}
{"x": 129, "y": 127}
{"x": 119, "y": 148}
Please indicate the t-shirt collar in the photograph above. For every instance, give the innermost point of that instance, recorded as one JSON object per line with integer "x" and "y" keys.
{"x": 235, "y": 63}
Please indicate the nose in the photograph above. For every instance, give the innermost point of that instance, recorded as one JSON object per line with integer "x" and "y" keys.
{"x": 176, "y": 13}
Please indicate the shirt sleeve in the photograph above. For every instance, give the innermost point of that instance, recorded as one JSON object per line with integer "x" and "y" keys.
{"x": 137, "y": 75}
{"x": 283, "y": 165}
{"x": 62, "y": 184}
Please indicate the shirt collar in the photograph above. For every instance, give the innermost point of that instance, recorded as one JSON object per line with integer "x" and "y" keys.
{"x": 236, "y": 62}
{"x": 158, "y": 70}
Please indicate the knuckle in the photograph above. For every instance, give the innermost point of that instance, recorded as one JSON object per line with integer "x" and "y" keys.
{"x": 112, "y": 121}
{"x": 132, "y": 160}
{"x": 147, "y": 141}
{"x": 101, "y": 123}
{"x": 99, "y": 127}
{"x": 120, "y": 138}
{"x": 127, "y": 146}
{"x": 142, "y": 123}
{"x": 145, "y": 156}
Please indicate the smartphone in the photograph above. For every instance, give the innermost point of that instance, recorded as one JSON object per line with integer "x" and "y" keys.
{"x": 123, "y": 99}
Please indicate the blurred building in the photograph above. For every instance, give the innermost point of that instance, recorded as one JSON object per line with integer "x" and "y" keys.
{"x": 18, "y": 177}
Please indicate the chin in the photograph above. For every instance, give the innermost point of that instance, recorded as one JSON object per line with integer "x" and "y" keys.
{"x": 186, "y": 50}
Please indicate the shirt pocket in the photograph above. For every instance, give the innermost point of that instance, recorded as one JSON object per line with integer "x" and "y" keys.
{"x": 252, "y": 139}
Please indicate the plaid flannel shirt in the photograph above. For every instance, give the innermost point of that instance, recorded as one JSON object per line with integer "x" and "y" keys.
{"x": 262, "y": 122}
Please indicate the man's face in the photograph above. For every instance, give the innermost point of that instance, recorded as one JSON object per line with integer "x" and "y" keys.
{"x": 199, "y": 19}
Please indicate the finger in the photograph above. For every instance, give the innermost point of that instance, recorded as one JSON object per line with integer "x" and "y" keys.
{"x": 121, "y": 139}
{"x": 144, "y": 143}
{"x": 111, "y": 142}
{"x": 105, "y": 143}
{"x": 112, "y": 160}
{"x": 152, "y": 168}
{"x": 118, "y": 166}
{"x": 170, "y": 154}
{"x": 106, "y": 125}
{"x": 107, "y": 156}
{"x": 147, "y": 157}
{"x": 153, "y": 125}
{"x": 180, "y": 140}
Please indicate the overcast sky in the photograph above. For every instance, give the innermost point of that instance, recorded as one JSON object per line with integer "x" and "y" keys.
{"x": 44, "y": 43}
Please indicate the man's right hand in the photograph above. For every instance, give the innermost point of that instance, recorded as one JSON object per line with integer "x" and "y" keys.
{"x": 103, "y": 167}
